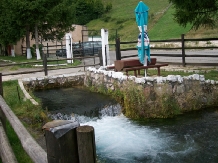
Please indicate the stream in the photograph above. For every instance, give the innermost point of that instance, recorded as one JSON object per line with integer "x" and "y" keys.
{"x": 188, "y": 138}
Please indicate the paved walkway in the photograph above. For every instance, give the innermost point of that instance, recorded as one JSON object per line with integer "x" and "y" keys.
{"x": 78, "y": 71}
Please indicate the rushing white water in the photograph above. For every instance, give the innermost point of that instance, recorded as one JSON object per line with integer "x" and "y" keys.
{"x": 119, "y": 139}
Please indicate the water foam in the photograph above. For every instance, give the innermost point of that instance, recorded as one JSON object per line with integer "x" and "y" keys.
{"x": 119, "y": 139}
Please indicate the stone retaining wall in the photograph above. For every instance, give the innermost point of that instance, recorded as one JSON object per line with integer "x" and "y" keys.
{"x": 156, "y": 96}
{"x": 142, "y": 97}
{"x": 65, "y": 80}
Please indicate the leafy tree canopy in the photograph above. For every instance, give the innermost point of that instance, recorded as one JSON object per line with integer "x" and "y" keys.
{"x": 87, "y": 10}
{"x": 199, "y": 13}
{"x": 53, "y": 18}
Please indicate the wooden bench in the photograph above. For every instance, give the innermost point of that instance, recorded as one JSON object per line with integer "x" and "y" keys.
{"x": 110, "y": 67}
{"x": 119, "y": 65}
{"x": 143, "y": 67}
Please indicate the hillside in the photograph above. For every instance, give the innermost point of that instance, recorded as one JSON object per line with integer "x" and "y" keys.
{"x": 160, "y": 25}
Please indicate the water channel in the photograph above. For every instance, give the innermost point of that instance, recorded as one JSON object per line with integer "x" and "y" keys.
{"x": 189, "y": 138}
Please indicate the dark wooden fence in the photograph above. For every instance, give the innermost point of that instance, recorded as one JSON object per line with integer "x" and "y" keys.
{"x": 76, "y": 145}
{"x": 50, "y": 50}
{"x": 183, "y": 50}
{"x": 45, "y": 63}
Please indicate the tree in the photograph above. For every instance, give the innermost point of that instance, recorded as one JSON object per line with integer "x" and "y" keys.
{"x": 10, "y": 31}
{"x": 49, "y": 19}
{"x": 199, "y": 13}
{"x": 87, "y": 10}
{"x": 46, "y": 17}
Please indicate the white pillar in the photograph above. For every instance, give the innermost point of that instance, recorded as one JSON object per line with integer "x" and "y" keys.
{"x": 105, "y": 44}
{"x": 12, "y": 52}
{"x": 69, "y": 47}
{"x": 29, "y": 55}
{"x": 38, "y": 57}
{"x": 107, "y": 47}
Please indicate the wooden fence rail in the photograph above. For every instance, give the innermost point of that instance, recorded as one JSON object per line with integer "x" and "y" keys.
{"x": 182, "y": 49}
{"x": 45, "y": 68}
{"x": 33, "y": 149}
{"x": 6, "y": 152}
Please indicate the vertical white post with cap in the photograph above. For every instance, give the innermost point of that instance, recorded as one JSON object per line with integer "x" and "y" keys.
{"x": 105, "y": 47}
{"x": 69, "y": 47}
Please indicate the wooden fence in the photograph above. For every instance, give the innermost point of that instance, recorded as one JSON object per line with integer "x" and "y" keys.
{"x": 76, "y": 145}
{"x": 50, "y": 50}
{"x": 182, "y": 48}
{"x": 35, "y": 151}
{"x": 45, "y": 62}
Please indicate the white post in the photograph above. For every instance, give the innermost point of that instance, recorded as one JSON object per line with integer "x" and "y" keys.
{"x": 38, "y": 57}
{"x": 68, "y": 48}
{"x": 29, "y": 55}
{"x": 107, "y": 46}
{"x": 145, "y": 64}
{"x": 103, "y": 46}
{"x": 12, "y": 51}
{"x": 105, "y": 54}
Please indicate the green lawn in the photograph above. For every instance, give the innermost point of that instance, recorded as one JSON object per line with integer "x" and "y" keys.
{"x": 30, "y": 115}
{"x": 161, "y": 24}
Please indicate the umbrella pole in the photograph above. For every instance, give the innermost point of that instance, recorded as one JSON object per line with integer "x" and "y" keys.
{"x": 145, "y": 64}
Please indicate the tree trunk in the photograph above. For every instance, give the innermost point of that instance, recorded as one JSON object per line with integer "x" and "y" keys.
{"x": 28, "y": 51}
{"x": 12, "y": 51}
{"x": 37, "y": 43}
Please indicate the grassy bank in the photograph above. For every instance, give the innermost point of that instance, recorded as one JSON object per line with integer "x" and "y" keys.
{"x": 161, "y": 24}
{"x": 32, "y": 117}
{"x": 30, "y": 63}
{"x": 210, "y": 74}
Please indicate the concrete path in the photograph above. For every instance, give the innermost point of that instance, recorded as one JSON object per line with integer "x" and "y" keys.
{"x": 89, "y": 61}
{"x": 78, "y": 71}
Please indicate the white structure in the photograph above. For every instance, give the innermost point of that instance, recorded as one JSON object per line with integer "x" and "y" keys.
{"x": 105, "y": 47}
{"x": 12, "y": 52}
{"x": 94, "y": 38}
{"x": 69, "y": 47}
{"x": 29, "y": 55}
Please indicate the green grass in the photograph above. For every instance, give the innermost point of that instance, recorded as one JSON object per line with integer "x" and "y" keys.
{"x": 122, "y": 18}
{"x": 211, "y": 75}
{"x": 19, "y": 152}
{"x": 169, "y": 28}
{"x": 30, "y": 64}
{"x": 16, "y": 59}
{"x": 30, "y": 115}
{"x": 161, "y": 24}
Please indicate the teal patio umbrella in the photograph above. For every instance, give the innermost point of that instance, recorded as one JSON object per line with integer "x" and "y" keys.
{"x": 141, "y": 14}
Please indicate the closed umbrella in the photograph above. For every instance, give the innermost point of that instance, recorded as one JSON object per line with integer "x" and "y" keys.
{"x": 141, "y": 13}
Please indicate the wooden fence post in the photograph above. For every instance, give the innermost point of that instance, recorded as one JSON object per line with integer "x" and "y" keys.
{"x": 2, "y": 115}
{"x": 100, "y": 57}
{"x": 118, "y": 54}
{"x": 61, "y": 141}
{"x": 47, "y": 55}
{"x": 86, "y": 144}
{"x": 1, "y": 86}
{"x": 45, "y": 64}
{"x": 183, "y": 50}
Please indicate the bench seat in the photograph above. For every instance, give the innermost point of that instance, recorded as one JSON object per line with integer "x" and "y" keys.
{"x": 126, "y": 63}
{"x": 143, "y": 67}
